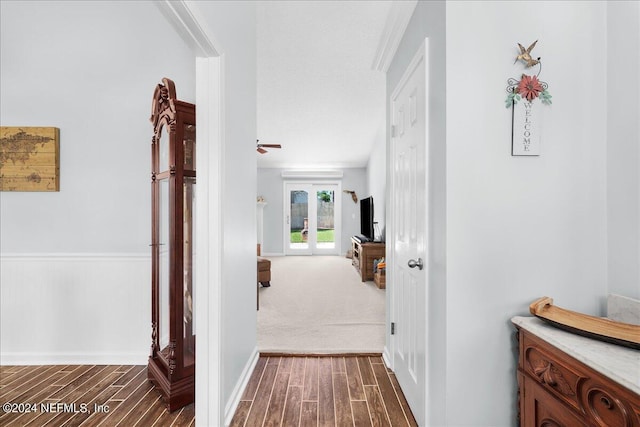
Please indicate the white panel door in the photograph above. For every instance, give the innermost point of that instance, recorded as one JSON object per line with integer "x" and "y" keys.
{"x": 409, "y": 232}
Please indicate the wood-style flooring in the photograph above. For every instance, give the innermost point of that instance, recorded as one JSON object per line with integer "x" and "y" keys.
{"x": 84, "y": 395}
{"x": 282, "y": 391}
{"x": 322, "y": 391}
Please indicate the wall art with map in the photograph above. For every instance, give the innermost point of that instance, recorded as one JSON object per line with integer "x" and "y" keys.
{"x": 29, "y": 159}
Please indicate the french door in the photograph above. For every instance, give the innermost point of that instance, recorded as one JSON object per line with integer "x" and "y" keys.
{"x": 312, "y": 218}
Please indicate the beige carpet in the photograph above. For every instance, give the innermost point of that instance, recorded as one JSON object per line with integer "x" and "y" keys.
{"x": 317, "y": 304}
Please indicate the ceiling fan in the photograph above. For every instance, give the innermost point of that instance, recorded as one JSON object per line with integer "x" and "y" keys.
{"x": 261, "y": 147}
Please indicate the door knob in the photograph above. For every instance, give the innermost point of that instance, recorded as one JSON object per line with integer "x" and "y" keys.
{"x": 413, "y": 263}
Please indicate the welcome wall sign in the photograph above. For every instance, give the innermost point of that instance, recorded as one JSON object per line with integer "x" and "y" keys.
{"x": 526, "y": 120}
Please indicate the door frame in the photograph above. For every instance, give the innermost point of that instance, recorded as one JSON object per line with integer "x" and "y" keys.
{"x": 392, "y": 212}
{"x": 337, "y": 216}
{"x": 210, "y": 112}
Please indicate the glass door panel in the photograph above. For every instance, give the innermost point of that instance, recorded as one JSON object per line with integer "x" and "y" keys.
{"x": 164, "y": 270}
{"x": 188, "y": 332}
{"x": 189, "y": 146}
{"x": 163, "y": 151}
{"x": 298, "y": 220}
{"x": 325, "y": 214}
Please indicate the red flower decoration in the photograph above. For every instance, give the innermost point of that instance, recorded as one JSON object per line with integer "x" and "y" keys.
{"x": 529, "y": 87}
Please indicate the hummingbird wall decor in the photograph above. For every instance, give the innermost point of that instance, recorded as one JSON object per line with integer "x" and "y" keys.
{"x": 525, "y": 55}
{"x": 521, "y": 95}
{"x": 527, "y": 87}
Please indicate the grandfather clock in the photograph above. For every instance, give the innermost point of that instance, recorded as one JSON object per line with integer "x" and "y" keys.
{"x": 173, "y": 177}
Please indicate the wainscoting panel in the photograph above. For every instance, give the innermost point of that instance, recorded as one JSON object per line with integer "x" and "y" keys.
{"x": 75, "y": 308}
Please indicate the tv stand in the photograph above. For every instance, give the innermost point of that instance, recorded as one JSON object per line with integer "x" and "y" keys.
{"x": 363, "y": 255}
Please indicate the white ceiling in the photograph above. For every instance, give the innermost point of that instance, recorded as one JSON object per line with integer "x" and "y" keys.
{"x": 318, "y": 95}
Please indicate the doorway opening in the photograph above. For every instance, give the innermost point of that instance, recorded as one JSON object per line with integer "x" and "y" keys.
{"x": 317, "y": 301}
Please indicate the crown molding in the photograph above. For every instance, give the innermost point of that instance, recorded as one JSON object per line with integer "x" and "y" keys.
{"x": 397, "y": 22}
{"x": 312, "y": 174}
{"x": 185, "y": 18}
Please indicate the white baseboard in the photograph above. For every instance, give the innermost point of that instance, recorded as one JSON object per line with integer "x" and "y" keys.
{"x": 386, "y": 356}
{"x": 19, "y": 359}
{"x": 234, "y": 399}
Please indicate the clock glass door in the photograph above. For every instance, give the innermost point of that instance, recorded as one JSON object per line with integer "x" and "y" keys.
{"x": 188, "y": 239}
{"x": 164, "y": 264}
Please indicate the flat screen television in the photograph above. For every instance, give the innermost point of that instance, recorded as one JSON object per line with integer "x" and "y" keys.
{"x": 366, "y": 218}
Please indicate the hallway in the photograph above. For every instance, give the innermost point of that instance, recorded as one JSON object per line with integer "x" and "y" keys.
{"x": 334, "y": 390}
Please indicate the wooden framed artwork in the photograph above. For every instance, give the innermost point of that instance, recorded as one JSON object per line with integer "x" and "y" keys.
{"x": 29, "y": 159}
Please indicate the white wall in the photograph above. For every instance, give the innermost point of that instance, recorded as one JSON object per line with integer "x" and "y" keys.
{"x": 511, "y": 229}
{"x": 377, "y": 180}
{"x": 269, "y": 186}
{"x": 428, "y": 20}
{"x": 519, "y": 228}
{"x": 233, "y": 24}
{"x": 90, "y": 69}
{"x": 623, "y": 147}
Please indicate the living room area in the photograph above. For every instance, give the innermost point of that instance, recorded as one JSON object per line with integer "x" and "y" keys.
{"x": 317, "y": 302}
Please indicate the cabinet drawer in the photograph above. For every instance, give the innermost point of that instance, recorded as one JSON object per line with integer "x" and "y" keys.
{"x": 552, "y": 372}
{"x": 606, "y": 406}
{"x": 542, "y": 409}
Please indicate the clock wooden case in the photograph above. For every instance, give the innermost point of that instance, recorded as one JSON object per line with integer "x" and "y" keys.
{"x": 173, "y": 176}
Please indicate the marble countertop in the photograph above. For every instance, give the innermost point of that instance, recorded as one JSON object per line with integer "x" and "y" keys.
{"x": 619, "y": 363}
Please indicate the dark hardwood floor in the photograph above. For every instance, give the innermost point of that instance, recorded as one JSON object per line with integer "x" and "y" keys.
{"x": 283, "y": 391}
{"x": 322, "y": 391}
{"x": 84, "y": 395}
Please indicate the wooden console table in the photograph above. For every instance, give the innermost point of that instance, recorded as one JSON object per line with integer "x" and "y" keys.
{"x": 568, "y": 380}
{"x": 363, "y": 256}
